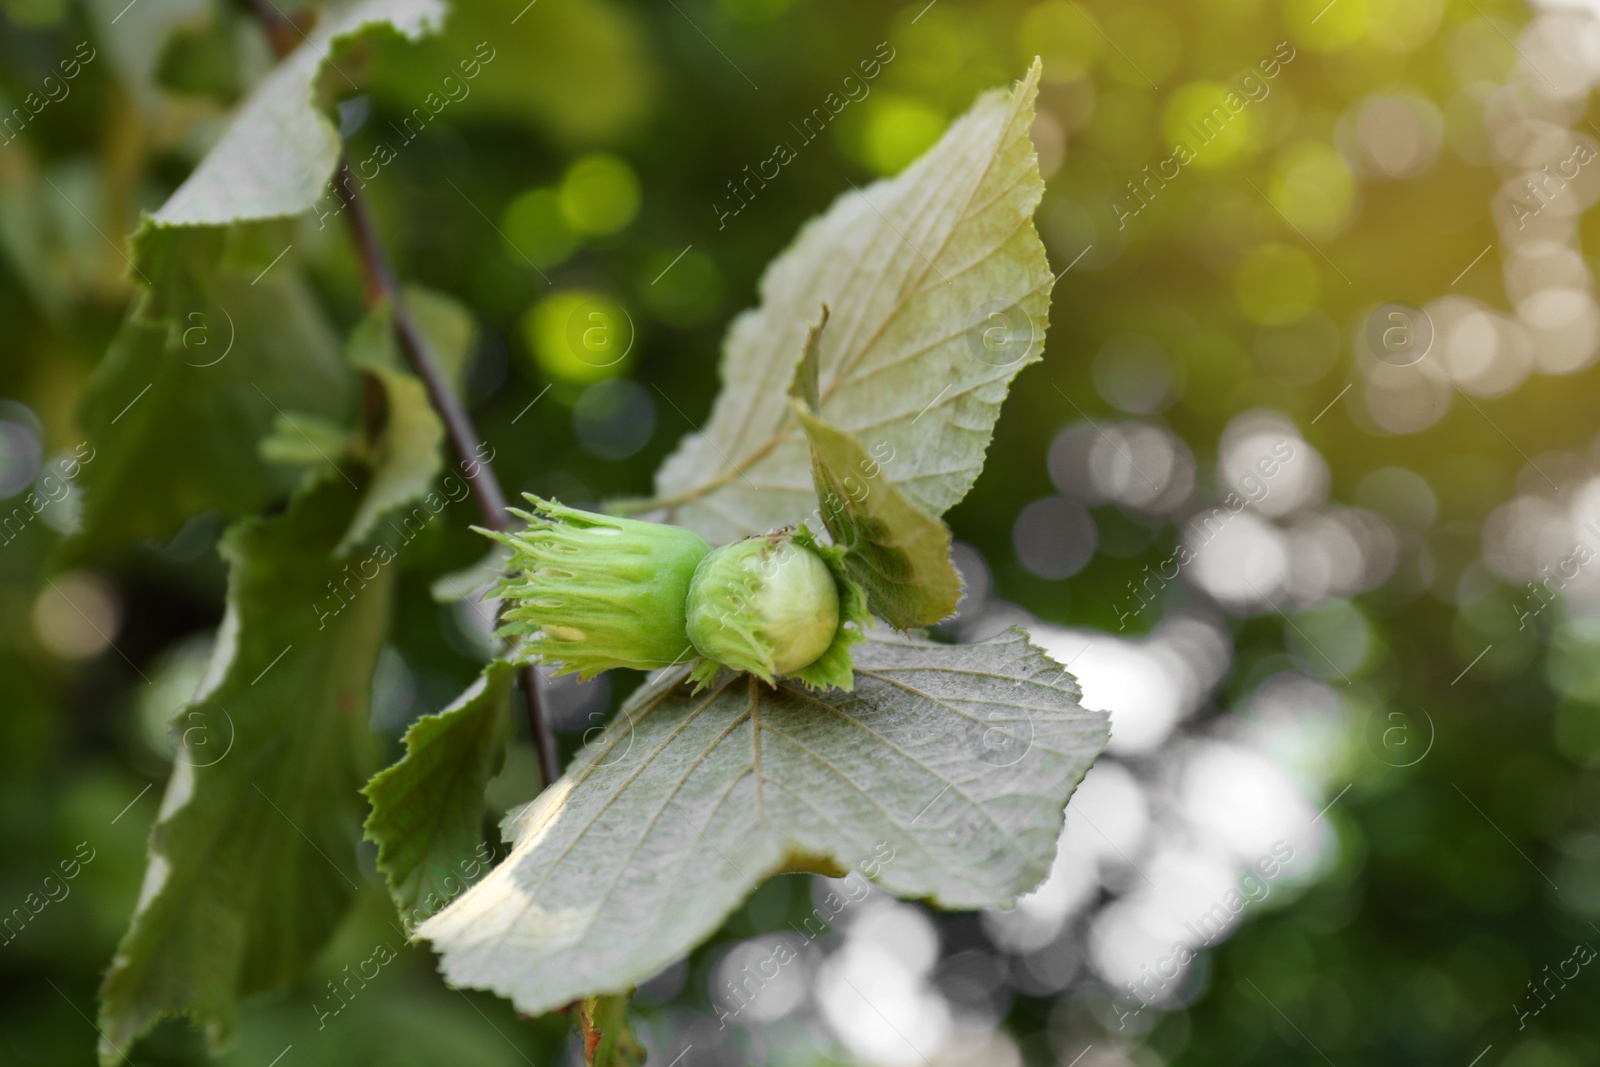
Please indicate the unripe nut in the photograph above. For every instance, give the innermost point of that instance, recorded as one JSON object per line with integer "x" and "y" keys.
{"x": 592, "y": 592}
{"x": 766, "y": 605}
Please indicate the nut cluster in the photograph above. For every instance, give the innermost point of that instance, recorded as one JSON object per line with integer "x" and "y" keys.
{"x": 589, "y": 592}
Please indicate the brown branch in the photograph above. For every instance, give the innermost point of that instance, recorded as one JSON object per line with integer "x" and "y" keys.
{"x": 381, "y": 285}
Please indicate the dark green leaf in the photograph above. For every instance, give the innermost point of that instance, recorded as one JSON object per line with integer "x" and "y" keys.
{"x": 427, "y": 809}
{"x": 253, "y": 861}
{"x": 224, "y": 340}
{"x": 176, "y": 413}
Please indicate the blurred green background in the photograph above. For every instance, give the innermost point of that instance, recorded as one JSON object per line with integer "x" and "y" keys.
{"x": 1369, "y": 639}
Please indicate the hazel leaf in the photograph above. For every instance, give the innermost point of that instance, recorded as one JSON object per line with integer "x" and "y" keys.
{"x": 896, "y": 552}
{"x": 942, "y": 776}
{"x": 253, "y": 859}
{"x": 222, "y": 375}
{"x": 279, "y": 151}
{"x": 406, "y": 433}
{"x": 225, "y": 338}
{"x": 806, "y": 387}
{"x": 938, "y": 290}
{"x": 427, "y": 809}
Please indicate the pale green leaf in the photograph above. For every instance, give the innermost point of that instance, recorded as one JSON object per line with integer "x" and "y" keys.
{"x": 278, "y": 153}
{"x": 943, "y": 776}
{"x": 302, "y": 440}
{"x": 427, "y": 809}
{"x": 253, "y": 859}
{"x": 896, "y": 552}
{"x": 405, "y": 456}
{"x": 939, "y": 291}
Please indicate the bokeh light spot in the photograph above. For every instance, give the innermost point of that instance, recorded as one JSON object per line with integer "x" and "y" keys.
{"x": 76, "y": 616}
{"x": 1214, "y": 121}
{"x": 682, "y": 292}
{"x": 599, "y": 195}
{"x": 1150, "y": 40}
{"x": 897, "y": 129}
{"x": 579, "y": 336}
{"x": 20, "y": 448}
{"x": 1054, "y": 537}
{"x": 1135, "y": 373}
{"x": 1061, "y": 34}
{"x": 536, "y": 228}
{"x": 1325, "y": 27}
{"x": 1314, "y": 189}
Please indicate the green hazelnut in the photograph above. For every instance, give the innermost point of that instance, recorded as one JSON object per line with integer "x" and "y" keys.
{"x": 767, "y": 605}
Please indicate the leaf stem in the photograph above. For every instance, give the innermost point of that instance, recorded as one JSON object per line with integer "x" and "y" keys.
{"x": 382, "y": 284}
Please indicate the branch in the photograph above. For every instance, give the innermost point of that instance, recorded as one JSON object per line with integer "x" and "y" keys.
{"x": 382, "y": 285}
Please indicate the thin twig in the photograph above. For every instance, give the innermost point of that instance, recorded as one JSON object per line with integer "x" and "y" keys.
{"x": 381, "y": 284}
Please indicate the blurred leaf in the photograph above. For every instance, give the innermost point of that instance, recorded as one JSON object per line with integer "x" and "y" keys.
{"x": 134, "y": 41}
{"x": 278, "y": 153}
{"x": 252, "y": 861}
{"x": 450, "y": 328}
{"x": 896, "y": 552}
{"x": 661, "y": 828}
{"x": 55, "y": 251}
{"x": 202, "y": 59}
{"x": 580, "y": 69}
{"x": 427, "y": 809}
{"x": 405, "y": 450}
{"x": 473, "y": 580}
{"x": 405, "y": 454}
{"x": 302, "y": 440}
{"x": 34, "y": 12}
{"x": 176, "y": 414}
{"x": 921, "y": 273}
{"x": 608, "y": 1041}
